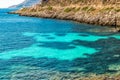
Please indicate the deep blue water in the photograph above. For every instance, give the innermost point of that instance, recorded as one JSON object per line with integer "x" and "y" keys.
{"x": 29, "y": 44}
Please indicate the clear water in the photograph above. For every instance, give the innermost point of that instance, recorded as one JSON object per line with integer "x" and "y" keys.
{"x": 57, "y": 45}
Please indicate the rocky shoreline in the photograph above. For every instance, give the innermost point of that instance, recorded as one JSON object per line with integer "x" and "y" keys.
{"x": 103, "y": 18}
{"x": 90, "y": 15}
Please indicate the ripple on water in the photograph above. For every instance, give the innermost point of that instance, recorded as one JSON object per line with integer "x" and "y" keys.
{"x": 31, "y": 50}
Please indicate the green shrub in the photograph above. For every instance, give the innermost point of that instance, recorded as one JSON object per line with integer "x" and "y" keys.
{"x": 85, "y": 8}
{"x": 91, "y": 9}
{"x": 74, "y": 9}
{"x": 108, "y": 9}
{"x": 67, "y": 10}
{"x": 49, "y": 8}
{"x": 88, "y": 8}
{"x": 117, "y": 10}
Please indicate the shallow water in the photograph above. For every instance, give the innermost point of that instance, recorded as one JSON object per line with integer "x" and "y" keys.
{"x": 34, "y": 45}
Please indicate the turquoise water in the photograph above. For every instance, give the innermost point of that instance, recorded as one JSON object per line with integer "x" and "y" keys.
{"x": 52, "y": 46}
{"x": 57, "y": 45}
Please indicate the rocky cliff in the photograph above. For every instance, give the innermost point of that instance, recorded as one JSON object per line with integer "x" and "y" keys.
{"x": 96, "y": 12}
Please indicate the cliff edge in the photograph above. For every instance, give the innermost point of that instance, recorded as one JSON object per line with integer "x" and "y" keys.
{"x": 98, "y": 12}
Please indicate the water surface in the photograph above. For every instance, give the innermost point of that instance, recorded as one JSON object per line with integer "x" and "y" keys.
{"x": 29, "y": 45}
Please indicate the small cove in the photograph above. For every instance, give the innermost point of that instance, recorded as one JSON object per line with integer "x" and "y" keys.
{"x": 37, "y": 44}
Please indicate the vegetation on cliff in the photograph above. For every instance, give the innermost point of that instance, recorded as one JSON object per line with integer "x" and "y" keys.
{"x": 100, "y": 12}
{"x": 86, "y": 2}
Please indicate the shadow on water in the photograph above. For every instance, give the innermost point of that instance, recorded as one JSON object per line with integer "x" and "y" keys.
{"x": 14, "y": 41}
{"x": 57, "y": 45}
{"x": 97, "y": 63}
{"x": 44, "y": 67}
{"x": 99, "y": 44}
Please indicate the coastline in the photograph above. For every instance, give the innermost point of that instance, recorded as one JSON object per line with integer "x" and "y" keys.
{"x": 102, "y": 17}
{"x": 105, "y": 18}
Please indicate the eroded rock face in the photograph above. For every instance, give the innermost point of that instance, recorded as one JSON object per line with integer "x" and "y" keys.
{"x": 103, "y": 15}
{"x": 104, "y": 19}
